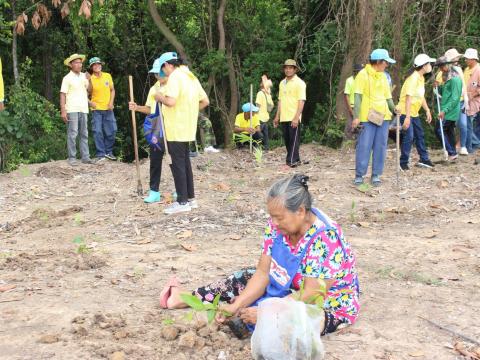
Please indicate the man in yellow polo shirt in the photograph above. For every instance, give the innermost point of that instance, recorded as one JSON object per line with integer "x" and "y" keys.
{"x": 244, "y": 126}
{"x": 183, "y": 98}
{"x": 291, "y": 99}
{"x": 74, "y": 108}
{"x": 2, "y": 90}
{"x": 373, "y": 103}
{"x": 104, "y": 124}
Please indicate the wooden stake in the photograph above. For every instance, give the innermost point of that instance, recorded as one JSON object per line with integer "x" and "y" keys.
{"x": 251, "y": 101}
{"x": 135, "y": 144}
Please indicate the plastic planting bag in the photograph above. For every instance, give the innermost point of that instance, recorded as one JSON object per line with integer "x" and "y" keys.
{"x": 288, "y": 330}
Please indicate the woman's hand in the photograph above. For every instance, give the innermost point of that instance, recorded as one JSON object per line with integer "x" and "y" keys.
{"x": 226, "y": 311}
{"x": 249, "y": 315}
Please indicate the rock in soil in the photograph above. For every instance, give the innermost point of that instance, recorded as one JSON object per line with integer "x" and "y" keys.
{"x": 117, "y": 355}
{"x": 48, "y": 339}
{"x": 169, "y": 333}
{"x": 188, "y": 340}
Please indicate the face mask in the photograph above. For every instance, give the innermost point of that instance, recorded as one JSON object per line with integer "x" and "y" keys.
{"x": 428, "y": 68}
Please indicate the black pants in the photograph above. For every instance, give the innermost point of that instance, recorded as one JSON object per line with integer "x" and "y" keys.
{"x": 156, "y": 157}
{"x": 449, "y": 134}
{"x": 291, "y": 136}
{"x": 264, "y": 128}
{"x": 181, "y": 170}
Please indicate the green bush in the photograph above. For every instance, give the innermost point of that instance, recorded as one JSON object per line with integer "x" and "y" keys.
{"x": 31, "y": 128}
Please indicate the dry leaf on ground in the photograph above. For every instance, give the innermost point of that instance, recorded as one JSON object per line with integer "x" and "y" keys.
{"x": 222, "y": 187}
{"x": 417, "y": 353}
{"x": 188, "y": 247}
{"x": 4, "y": 288}
{"x": 143, "y": 241}
{"x": 185, "y": 234}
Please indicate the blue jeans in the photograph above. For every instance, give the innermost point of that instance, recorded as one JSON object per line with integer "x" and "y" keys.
{"x": 463, "y": 128}
{"x": 104, "y": 127}
{"x": 372, "y": 140}
{"x": 414, "y": 133}
{"x": 476, "y": 131}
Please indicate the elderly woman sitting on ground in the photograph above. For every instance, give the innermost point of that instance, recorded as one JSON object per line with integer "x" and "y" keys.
{"x": 301, "y": 244}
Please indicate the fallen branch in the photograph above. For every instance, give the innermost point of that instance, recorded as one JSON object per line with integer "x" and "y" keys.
{"x": 466, "y": 338}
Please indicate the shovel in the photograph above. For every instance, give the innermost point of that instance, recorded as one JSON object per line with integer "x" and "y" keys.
{"x": 134, "y": 128}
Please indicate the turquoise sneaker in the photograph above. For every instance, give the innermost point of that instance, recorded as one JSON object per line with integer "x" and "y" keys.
{"x": 153, "y": 197}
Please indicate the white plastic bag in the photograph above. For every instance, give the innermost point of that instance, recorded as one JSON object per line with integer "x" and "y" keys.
{"x": 288, "y": 330}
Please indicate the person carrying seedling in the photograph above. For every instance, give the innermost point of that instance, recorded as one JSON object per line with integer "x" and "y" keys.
{"x": 450, "y": 108}
{"x": 302, "y": 249}
{"x": 373, "y": 106}
{"x": 156, "y": 152}
{"x": 181, "y": 102}
{"x": 104, "y": 124}
{"x": 244, "y": 127}
{"x": 74, "y": 108}
{"x": 292, "y": 95}
{"x": 265, "y": 105}
{"x": 412, "y": 99}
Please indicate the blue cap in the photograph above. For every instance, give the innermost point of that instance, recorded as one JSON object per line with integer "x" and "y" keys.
{"x": 246, "y": 108}
{"x": 156, "y": 69}
{"x": 165, "y": 57}
{"x": 381, "y": 54}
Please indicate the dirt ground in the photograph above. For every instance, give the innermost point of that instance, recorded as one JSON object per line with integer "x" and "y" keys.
{"x": 83, "y": 259}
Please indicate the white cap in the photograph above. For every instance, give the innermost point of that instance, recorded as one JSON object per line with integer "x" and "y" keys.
{"x": 471, "y": 54}
{"x": 452, "y": 55}
{"x": 423, "y": 59}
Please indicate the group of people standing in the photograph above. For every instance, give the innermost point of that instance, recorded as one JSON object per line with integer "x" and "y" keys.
{"x": 371, "y": 107}
{"x": 83, "y": 92}
{"x": 291, "y": 100}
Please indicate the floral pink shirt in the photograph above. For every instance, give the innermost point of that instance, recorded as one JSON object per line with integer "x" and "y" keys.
{"x": 329, "y": 257}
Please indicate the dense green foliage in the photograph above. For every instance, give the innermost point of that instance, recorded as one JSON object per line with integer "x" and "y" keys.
{"x": 259, "y": 36}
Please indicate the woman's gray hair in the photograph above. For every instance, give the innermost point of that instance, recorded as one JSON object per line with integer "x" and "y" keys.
{"x": 293, "y": 192}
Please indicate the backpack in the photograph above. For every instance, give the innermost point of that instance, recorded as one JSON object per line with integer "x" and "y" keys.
{"x": 152, "y": 129}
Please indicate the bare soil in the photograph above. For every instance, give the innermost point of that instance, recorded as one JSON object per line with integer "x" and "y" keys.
{"x": 83, "y": 259}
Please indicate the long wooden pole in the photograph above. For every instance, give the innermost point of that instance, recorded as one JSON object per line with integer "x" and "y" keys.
{"x": 251, "y": 104}
{"x": 135, "y": 144}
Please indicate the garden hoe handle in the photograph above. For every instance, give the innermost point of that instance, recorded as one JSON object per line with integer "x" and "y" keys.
{"x": 445, "y": 153}
{"x": 397, "y": 141}
{"x": 134, "y": 129}
{"x": 251, "y": 101}
{"x": 169, "y": 158}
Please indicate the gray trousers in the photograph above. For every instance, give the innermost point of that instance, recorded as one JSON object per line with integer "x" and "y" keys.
{"x": 77, "y": 122}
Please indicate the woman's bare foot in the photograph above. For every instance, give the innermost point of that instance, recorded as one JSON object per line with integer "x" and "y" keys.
{"x": 175, "y": 301}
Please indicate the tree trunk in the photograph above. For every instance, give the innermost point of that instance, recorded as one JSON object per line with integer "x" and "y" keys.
{"x": 47, "y": 68}
{"x": 169, "y": 35}
{"x": 14, "y": 47}
{"x": 359, "y": 45}
{"x": 232, "y": 79}
{"x": 397, "y": 53}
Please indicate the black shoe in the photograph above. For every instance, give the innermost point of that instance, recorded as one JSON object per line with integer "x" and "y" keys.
{"x": 425, "y": 163}
{"x": 404, "y": 167}
{"x": 111, "y": 157}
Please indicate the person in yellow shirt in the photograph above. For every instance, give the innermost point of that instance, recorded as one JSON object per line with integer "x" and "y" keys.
{"x": 349, "y": 98}
{"x": 244, "y": 126}
{"x": 183, "y": 98}
{"x": 265, "y": 105}
{"x": 412, "y": 99}
{"x": 373, "y": 103}
{"x": 74, "y": 108}
{"x": 291, "y": 100}
{"x": 2, "y": 89}
{"x": 102, "y": 96}
{"x": 156, "y": 152}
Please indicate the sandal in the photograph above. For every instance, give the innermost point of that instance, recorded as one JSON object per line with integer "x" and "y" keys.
{"x": 167, "y": 291}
